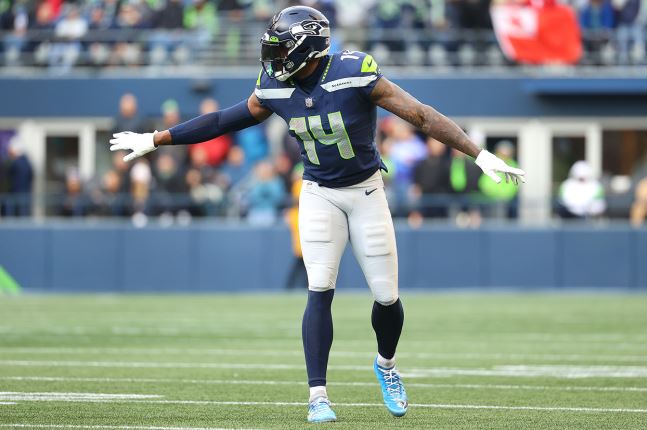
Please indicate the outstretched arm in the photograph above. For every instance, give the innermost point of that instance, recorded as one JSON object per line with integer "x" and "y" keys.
{"x": 391, "y": 97}
{"x": 245, "y": 114}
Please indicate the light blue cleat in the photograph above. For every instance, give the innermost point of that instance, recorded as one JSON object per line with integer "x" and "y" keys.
{"x": 395, "y": 396}
{"x": 319, "y": 411}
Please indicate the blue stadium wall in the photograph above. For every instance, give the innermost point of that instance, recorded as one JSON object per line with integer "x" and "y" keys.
{"x": 219, "y": 257}
{"x": 457, "y": 94}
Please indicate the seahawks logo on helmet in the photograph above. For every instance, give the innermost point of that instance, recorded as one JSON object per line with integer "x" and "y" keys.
{"x": 313, "y": 28}
{"x": 295, "y": 36}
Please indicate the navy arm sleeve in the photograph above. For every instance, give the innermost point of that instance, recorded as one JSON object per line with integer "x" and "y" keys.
{"x": 212, "y": 125}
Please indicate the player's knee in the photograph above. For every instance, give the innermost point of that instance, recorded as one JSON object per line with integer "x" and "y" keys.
{"x": 321, "y": 277}
{"x": 385, "y": 292}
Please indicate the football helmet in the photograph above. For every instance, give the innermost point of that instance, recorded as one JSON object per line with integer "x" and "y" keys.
{"x": 295, "y": 36}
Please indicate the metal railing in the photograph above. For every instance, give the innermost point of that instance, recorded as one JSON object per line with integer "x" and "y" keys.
{"x": 237, "y": 46}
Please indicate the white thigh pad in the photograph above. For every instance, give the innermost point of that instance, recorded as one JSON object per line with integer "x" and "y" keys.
{"x": 377, "y": 240}
{"x": 317, "y": 227}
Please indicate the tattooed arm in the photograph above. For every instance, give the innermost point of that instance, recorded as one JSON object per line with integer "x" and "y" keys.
{"x": 391, "y": 97}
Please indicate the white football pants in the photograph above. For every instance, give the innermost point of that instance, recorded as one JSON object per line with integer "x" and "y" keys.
{"x": 329, "y": 217}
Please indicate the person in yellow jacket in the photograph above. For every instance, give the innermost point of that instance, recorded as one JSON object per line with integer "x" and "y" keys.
{"x": 297, "y": 277}
{"x": 506, "y": 192}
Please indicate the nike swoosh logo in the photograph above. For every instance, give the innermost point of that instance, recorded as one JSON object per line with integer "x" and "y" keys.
{"x": 369, "y": 64}
{"x": 367, "y": 192}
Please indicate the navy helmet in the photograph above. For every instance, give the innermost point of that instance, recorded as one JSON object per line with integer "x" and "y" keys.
{"x": 295, "y": 36}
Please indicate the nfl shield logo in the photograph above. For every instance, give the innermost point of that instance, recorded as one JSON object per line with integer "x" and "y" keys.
{"x": 309, "y": 102}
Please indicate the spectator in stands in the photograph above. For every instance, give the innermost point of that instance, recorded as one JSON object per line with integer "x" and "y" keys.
{"x": 265, "y": 196}
{"x": 129, "y": 20}
{"x": 581, "y": 195}
{"x": 639, "y": 207}
{"x": 254, "y": 142}
{"x": 215, "y": 149}
{"x": 123, "y": 171}
{"x": 464, "y": 178}
{"x": 235, "y": 169}
{"x": 75, "y": 203}
{"x": 20, "y": 177}
{"x": 503, "y": 195}
{"x": 109, "y": 200}
{"x": 168, "y": 24}
{"x": 140, "y": 179}
{"x": 597, "y": 21}
{"x": 170, "y": 114}
{"x": 15, "y": 20}
{"x": 128, "y": 118}
{"x": 68, "y": 32}
{"x": 407, "y": 149}
{"x": 630, "y": 29}
{"x": 170, "y": 185}
{"x": 204, "y": 192}
{"x": 201, "y": 18}
{"x": 431, "y": 181}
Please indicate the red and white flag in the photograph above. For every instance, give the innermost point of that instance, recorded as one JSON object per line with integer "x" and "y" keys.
{"x": 537, "y": 32}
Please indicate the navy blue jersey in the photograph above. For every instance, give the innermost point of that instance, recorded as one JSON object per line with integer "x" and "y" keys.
{"x": 335, "y": 122}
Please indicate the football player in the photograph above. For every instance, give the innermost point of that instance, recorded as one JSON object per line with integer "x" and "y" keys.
{"x": 329, "y": 103}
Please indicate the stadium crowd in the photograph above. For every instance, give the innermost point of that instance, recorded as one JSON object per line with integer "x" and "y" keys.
{"x": 105, "y": 33}
{"x": 255, "y": 174}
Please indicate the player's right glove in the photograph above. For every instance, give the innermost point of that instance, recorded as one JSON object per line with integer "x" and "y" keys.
{"x": 490, "y": 164}
{"x": 139, "y": 144}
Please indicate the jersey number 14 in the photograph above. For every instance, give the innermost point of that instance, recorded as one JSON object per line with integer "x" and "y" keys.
{"x": 311, "y": 130}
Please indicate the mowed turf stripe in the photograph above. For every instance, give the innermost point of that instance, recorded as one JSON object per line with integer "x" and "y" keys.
{"x": 340, "y": 384}
{"x": 300, "y": 404}
{"x": 76, "y": 426}
{"x": 299, "y": 353}
{"x": 552, "y": 371}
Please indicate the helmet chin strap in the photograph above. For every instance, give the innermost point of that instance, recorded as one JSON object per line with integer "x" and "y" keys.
{"x": 286, "y": 76}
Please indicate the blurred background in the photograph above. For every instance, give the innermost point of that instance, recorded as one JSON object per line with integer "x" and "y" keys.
{"x": 558, "y": 88}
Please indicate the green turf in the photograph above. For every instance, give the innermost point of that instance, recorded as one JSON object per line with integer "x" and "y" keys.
{"x": 474, "y": 350}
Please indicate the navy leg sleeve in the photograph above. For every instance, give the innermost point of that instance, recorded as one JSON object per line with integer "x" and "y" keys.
{"x": 387, "y": 322}
{"x": 212, "y": 125}
{"x": 317, "y": 335}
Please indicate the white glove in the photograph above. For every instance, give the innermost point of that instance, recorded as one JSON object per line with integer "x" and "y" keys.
{"x": 490, "y": 164}
{"x": 140, "y": 144}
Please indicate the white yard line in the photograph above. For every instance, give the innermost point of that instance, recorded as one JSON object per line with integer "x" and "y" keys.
{"x": 299, "y": 353}
{"x": 7, "y": 403}
{"x": 72, "y": 426}
{"x": 340, "y": 384}
{"x": 552, "y": 371}
{"x": 14, "y": 396}
{"x": 300, "y": 404}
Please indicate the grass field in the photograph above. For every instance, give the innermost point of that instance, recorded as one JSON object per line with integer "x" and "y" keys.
{"x": 470, "y": 361}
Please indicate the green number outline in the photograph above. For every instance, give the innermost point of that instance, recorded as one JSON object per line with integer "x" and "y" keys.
{"x": 311, "y": 131}
{"x": 300, "y": 127}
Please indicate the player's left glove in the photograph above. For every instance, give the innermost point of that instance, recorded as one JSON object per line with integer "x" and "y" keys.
{"x": 490, "y": 164}
{"x": 139, "y": 144}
